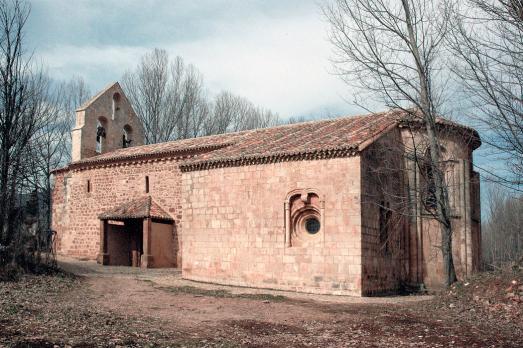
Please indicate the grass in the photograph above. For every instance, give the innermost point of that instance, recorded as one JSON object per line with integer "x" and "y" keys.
{"x": 13, "y": 309}
{"x": 220, "y": 293}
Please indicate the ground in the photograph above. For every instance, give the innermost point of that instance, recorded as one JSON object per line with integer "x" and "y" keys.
{"x": 91, "y": 306}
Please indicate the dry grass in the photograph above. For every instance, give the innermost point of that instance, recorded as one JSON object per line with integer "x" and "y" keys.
{"x": 63, "y": 310}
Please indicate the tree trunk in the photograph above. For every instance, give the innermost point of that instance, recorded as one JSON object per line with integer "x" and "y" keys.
{"x": 442, "y": 199}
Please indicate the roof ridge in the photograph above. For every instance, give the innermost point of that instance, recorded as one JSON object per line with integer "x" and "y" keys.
{"x": 225, "y": 136}
{"x": 137, "y": 208}
{"x": 285, "y": 142}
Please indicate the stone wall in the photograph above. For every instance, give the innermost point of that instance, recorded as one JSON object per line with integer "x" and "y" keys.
{"x": 234, "y": 227}
{"x": 112, "y": 109}
{"x": 425, "y": 257}
{"x": 75, "y": 211}
{"x": 384, "y": 237}
{"x": 244, "y": 225}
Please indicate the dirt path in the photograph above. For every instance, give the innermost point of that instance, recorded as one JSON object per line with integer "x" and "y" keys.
{"x": 171, "y": 278}
{"x": 264, "y": 318}
{"x": 162, "y": 293}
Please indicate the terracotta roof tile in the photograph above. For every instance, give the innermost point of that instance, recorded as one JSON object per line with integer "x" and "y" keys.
{"x": 191, "y": 145}
{"x": 314, "y": 139}
{"x": 325, "y": 136}
{"x": 306, "y": 136}
{"x": 141, "y": 208}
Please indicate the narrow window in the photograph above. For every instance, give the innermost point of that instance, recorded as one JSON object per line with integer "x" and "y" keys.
{"x": 116, "y": 104}
{"x": 127, "y": 136}
{"x": 88, "y": 186}
{"x": 384, "y": 222}
{"x": 100, "y": 134}
{"x": 430, "y": 188}
{"x": 428, "y": 172}
{"x": 146, "y": 184}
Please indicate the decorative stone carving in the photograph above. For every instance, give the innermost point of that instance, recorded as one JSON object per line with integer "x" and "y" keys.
{"x": 304, "y": 217}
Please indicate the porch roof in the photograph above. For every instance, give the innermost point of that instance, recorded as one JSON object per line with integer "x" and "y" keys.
{"x": 141, "y": 208}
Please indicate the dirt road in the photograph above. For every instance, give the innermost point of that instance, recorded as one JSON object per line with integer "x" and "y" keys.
{"x": 111, "y": 306}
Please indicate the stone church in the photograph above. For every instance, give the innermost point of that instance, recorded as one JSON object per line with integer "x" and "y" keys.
{"x": 339, "y": 206}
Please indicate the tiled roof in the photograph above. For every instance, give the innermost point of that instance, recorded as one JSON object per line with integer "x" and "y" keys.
{"x": 141, "y": 208}
{"x": 192, "y": 145}
{"x": 314, "y": 139}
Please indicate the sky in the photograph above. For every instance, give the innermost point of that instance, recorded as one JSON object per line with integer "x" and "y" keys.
{"x": 275, "y": 53}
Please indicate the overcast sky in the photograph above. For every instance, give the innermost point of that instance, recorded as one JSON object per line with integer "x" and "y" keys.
{"x": 273, "y": 52}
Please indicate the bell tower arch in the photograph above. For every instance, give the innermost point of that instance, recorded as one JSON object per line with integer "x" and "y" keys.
{"x": 105, "y": 123}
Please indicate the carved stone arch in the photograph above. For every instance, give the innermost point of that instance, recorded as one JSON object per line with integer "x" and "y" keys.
{"x": 301, "y": 192}
{"x": 304, "y": 214}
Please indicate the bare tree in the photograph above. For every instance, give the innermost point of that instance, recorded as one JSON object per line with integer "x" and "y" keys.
{"x": 232, "y": 113}
{"x": 297, "y": 119}
{"x": 224, "y": 111}
{"x": 72, "y": 94}
{"x": 22, "y": 115}
{"x": 488, "y": 39}
{"x": 188, "y": 101}
{"x": 147, "y": 90}
{"x": 168, "y": 97}
{"x": 50, "y": 145}
{"x": 393, "y": 49}
{"x": 69, "y": 96}
{"x": 502, "y": 233}
{"x": 170, "y": 100}
{"x": 49, "y": 148}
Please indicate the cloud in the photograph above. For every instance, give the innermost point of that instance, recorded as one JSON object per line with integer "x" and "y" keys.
{"x": 274, "y": 53}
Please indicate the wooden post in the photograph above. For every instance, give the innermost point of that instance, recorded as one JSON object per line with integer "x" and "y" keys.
{"x": 103, "y": 255}
{"x": 146, "y": 257}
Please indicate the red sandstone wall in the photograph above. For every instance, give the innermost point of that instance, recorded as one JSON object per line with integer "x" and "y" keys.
{"x": 425, "y": 252}
{"x": 234, "y": 227}
{"x": 84, "y": 133}
{"x": 384, "y": 269}
{"x": 76, "y": 219}
{"x": 432, "y": 257}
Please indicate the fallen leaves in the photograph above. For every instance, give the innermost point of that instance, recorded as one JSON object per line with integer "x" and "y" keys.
{"x": 60, "y": 311}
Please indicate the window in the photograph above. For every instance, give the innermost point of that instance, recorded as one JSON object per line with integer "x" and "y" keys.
{"x": 126, "y": 136}
{"x": 116, "y": 104}
{"x": 304, "y": 214}
{"x": 384, "y": 222}
{"x": 428, "y": 174}
{"x": 101, "y": 126}
{"x": 88, "y": 186}
{"x": 146, "y": 184}
{"x": 429, "y": 189}
{"x": 312, "y": 225}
